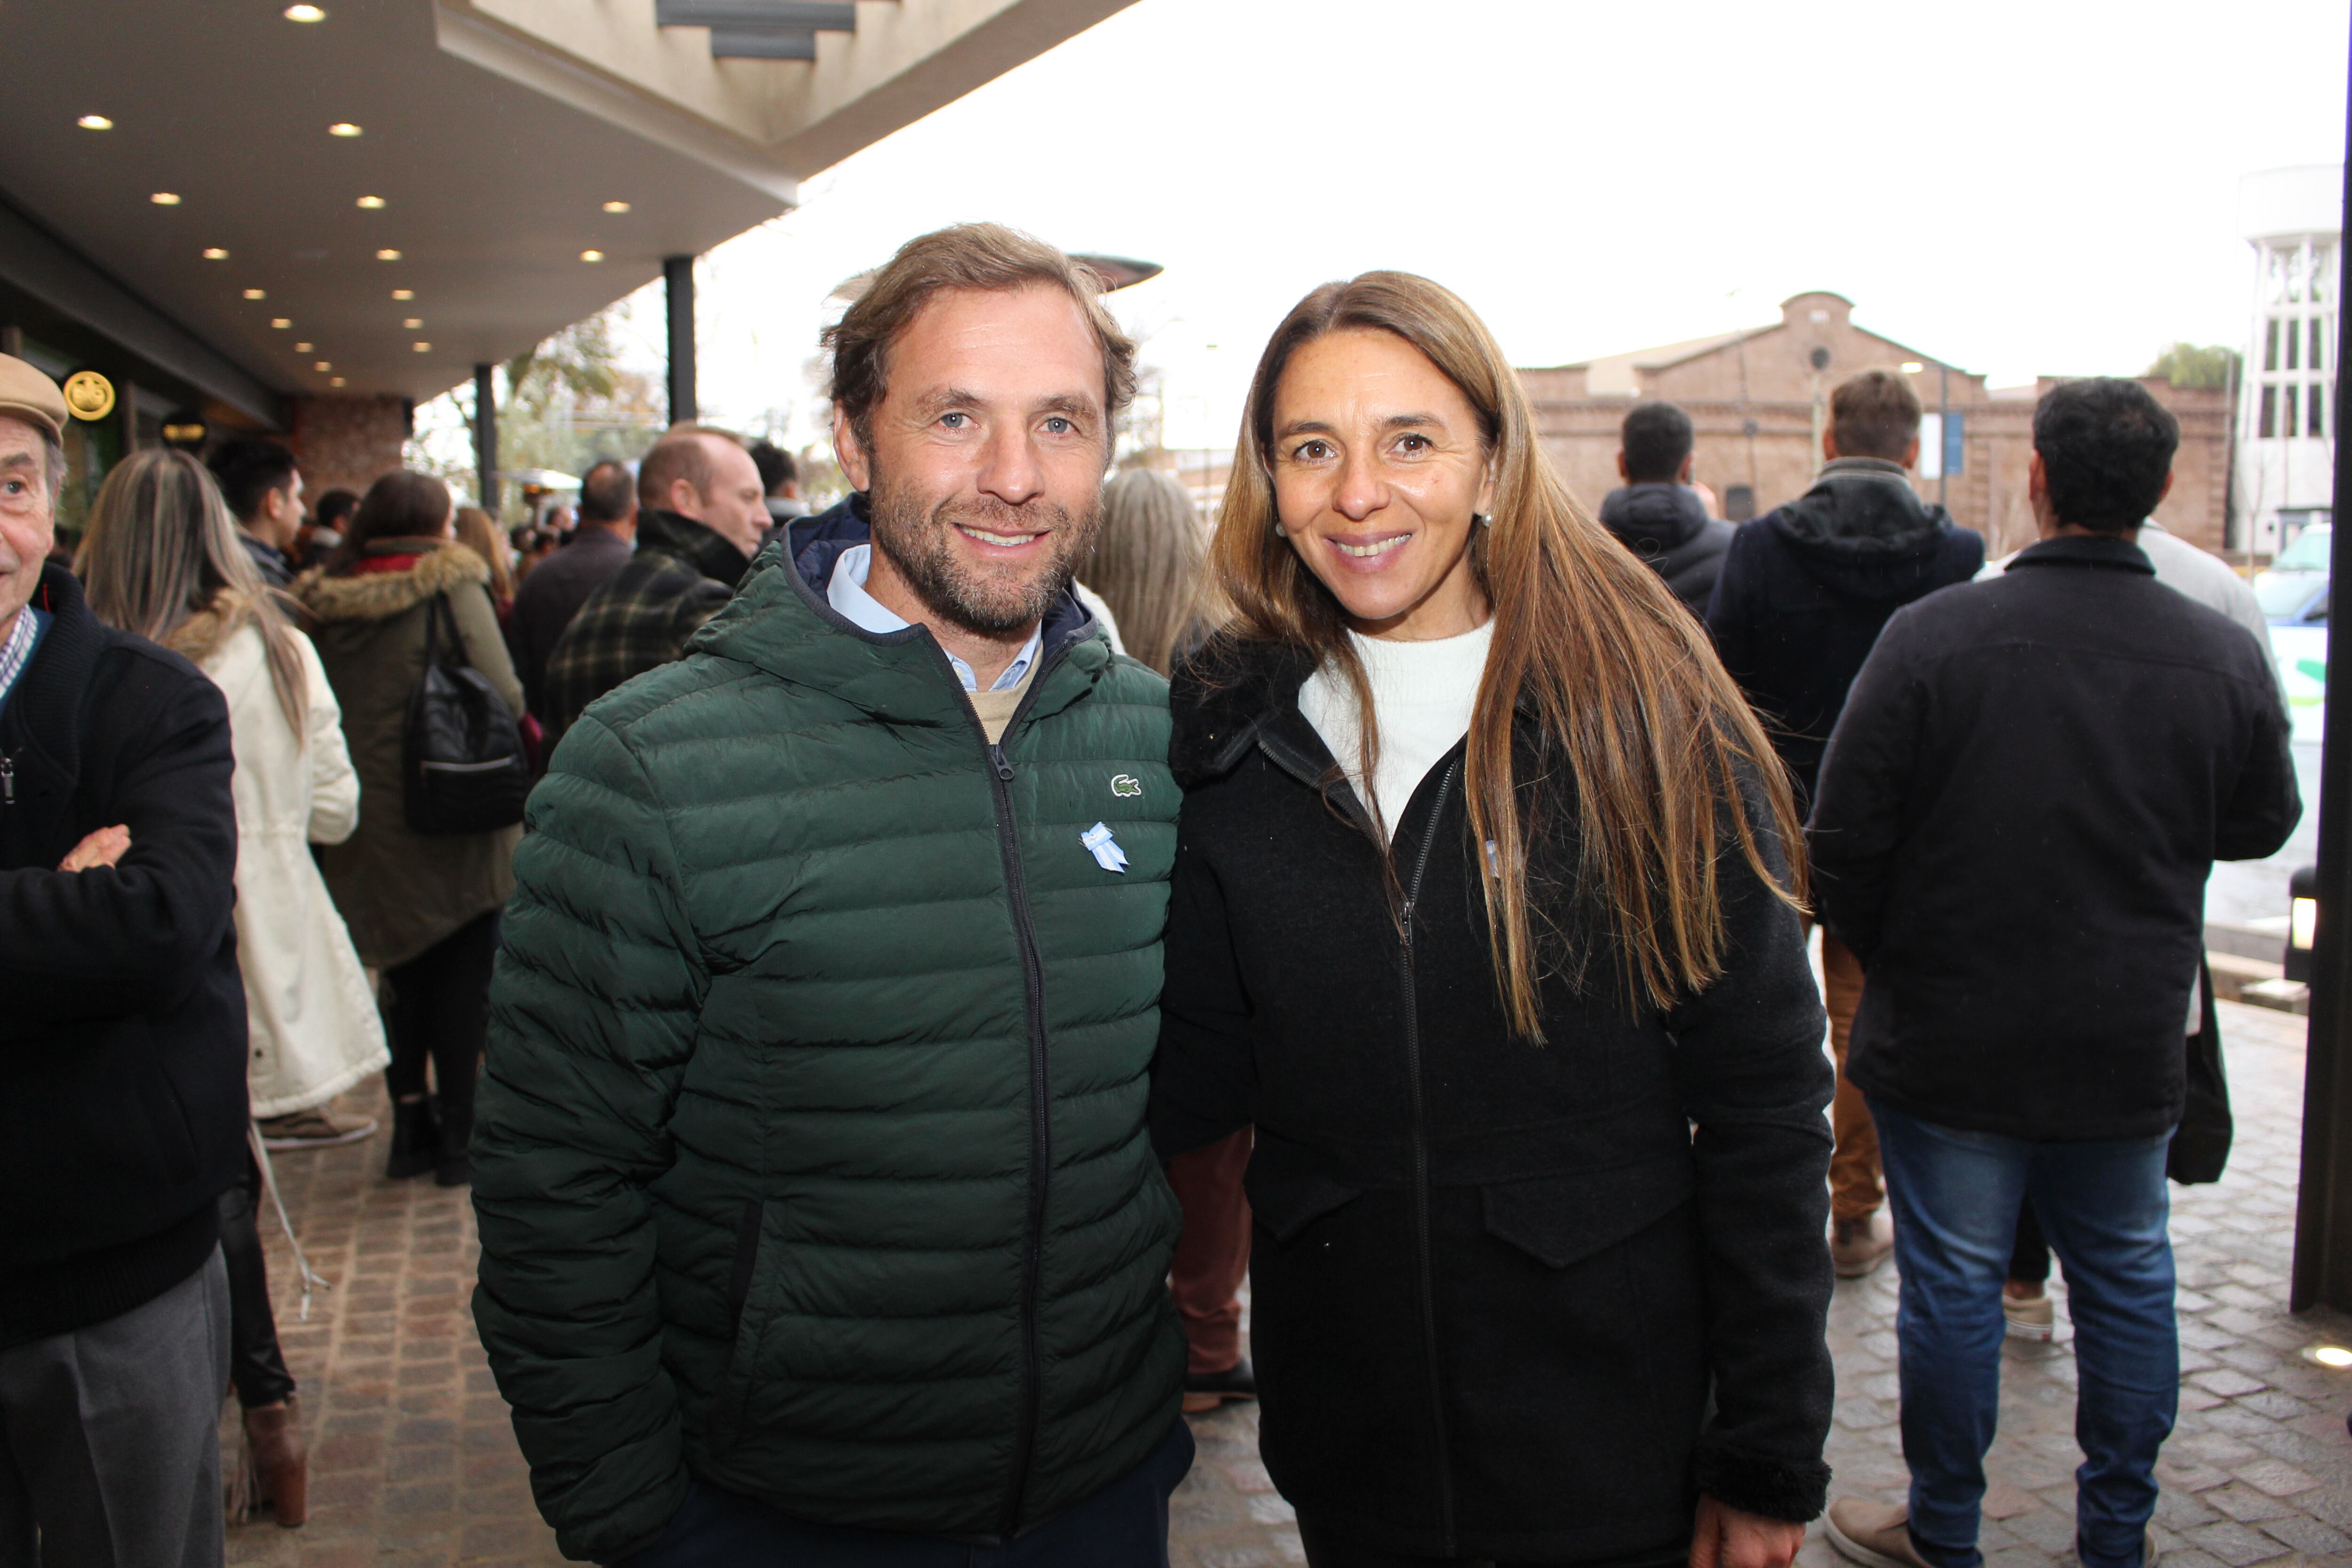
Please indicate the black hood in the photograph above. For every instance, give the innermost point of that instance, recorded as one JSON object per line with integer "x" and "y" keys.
{"x": 1651, "y": 519}
{"x": 1862, "y": 531}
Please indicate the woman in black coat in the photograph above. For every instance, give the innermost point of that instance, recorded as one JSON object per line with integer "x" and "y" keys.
{"x": 1511, "y": 981}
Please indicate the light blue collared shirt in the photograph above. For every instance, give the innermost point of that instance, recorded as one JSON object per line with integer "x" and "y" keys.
{"x": 847, "y": 593}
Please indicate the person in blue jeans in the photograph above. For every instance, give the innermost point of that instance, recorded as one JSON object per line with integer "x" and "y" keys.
{"x": 2017, "y": 814}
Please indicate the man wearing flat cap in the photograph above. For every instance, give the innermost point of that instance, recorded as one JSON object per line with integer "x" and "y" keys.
{"x": 122, "y": 1035}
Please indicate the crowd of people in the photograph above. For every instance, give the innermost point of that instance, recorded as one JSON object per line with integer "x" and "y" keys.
{"x": 955, "y": 936}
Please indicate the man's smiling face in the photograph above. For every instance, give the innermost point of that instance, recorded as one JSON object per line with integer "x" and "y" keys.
{"x": 987, "y": 453}
{"x": 28, "y": 515}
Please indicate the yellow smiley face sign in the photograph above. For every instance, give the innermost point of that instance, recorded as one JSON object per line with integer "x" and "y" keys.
{"x": 88, "y": 394}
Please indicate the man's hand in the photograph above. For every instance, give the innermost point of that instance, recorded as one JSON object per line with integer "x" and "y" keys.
{"x": 1724, "y": 1537}
{"x": 103, "y": 847}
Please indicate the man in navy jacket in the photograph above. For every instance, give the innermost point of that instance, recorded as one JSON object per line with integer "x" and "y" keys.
{"x": 2030, "y": 785}
{"x": 1803, "y": 595}
{"x": 123, "y": 1041}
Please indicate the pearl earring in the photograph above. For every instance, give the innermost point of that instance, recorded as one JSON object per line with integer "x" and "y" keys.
{"x": 1481, "y": 520}
{"x": 1281, "y": 532}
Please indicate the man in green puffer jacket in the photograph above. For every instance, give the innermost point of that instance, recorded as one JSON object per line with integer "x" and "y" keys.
{"x": 818, "y": 1217}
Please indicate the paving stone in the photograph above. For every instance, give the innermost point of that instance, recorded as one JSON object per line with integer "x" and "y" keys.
{"x": 2308, "y": 1536}
{"x": 2235, "y": 1544}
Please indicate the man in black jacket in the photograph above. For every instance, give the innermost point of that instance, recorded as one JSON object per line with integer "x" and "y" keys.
{"x": 263, "y": 487}
{"x": 1803, "y": 594}
{"x": 1657, "y": 515}
{"x": 2029, "y": 787}
{"x": 122, "y": 1040}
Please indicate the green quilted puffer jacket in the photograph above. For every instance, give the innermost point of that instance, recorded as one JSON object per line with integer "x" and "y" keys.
{"x": 810, "y": 1158}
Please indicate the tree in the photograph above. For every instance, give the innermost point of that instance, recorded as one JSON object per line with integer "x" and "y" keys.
{"x": 2208, "y": 368}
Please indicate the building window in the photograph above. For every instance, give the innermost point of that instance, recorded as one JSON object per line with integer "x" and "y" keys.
{"x": 2289, "y": 422}
{"x": 2318, "y": 425}
{"x": 1739, "y": 503}
{"x": 2318, "y": 361}
{"x": 2270, "y": 412}
{"x": 2270, "y": 344}
{"x": 2294, "y": 344}
{"x": 2322, "y": 274}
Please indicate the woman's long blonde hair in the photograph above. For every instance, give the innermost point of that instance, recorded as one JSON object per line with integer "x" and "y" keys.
{"x": 1619, "y": 679}
{"x": 1146, "y": 562}
{"x": 161, "y": 547}
{"x": 477, "y": 533}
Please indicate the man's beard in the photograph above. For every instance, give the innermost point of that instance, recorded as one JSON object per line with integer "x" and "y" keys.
{"x": 986, "y": 604}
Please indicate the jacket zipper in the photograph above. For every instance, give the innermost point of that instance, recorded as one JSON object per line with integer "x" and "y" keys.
{"x": 8, "y": 778}
{"x": 1423, "y": 1287}
{"x": 1041, "y": 1131}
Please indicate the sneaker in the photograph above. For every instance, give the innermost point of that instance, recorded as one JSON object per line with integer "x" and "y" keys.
{"x": 315, "y": 1128}
{"x": 2150, "y": 1551}
{"x": 1859, "y": 1245}
{"x": 1205, "y": 1391}
{"x": 1875, "y": 1534}
{"x": 2029, "y": 1317}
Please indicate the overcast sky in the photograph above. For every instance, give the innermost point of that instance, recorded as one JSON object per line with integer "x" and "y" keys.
{"x": 2022, "y": 186}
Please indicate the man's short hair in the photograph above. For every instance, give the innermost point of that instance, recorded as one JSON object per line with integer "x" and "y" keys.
{"x": 2106, "y": 446}
{"x": 776, "y": 467}
{"x": 335, "y": 508}
{"x": 681, "y": 453}
{"x": 248, "y": 468}
{"x": 1874, "y": 415}
{"x": 982, "y": 258}
{"x": 607, "y": 494}
{"x": 1656, "y": 437}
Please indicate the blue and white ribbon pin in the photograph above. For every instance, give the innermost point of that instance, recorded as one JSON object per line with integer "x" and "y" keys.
{"x": 1104, "y": 848}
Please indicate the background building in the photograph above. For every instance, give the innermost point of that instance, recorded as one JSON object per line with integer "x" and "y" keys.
{"x": 307, "y": 218}
{"x": 1758, "y": 400}
{"x": 2293, "y": 218}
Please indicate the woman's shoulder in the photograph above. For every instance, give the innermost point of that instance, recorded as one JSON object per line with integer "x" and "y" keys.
{"x": 1218, "y": 696}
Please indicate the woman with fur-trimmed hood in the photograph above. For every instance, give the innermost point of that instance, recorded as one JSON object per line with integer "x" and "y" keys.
{"x": 423, "y": 907}
{"x": 162, "y": 559}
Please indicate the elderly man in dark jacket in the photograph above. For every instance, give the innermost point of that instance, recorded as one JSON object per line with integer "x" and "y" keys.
{"x": 2029, "y": 787}
{"x": 700, "y": 516}
{"x": 1657, "y": 515}
{"x": 1802, "y": 596}
{"x": 123, "y": 1039}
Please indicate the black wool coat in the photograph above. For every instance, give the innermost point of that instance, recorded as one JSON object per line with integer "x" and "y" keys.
{"x": 123, "y": 1028}
{"x": 1506, "y": 1301}
{"x": 2017, "y": 816}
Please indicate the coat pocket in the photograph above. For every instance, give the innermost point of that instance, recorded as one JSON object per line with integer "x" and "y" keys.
{"x": 1559, "y": 1220}
{"x": 1287, "y": 1197}
{"x": 735, "y": 1392}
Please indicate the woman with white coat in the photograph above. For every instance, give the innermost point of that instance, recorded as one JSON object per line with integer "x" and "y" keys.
{"x": 162, "y": 559}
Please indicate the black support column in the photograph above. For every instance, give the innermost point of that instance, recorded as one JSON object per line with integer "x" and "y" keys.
{"x": 486, "y": 439}
{"x": 2322, "y": 1218}
{"x": 678, "y": 273}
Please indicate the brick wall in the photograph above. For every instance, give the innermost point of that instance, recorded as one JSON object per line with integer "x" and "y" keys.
{"x": 347, "y": 443}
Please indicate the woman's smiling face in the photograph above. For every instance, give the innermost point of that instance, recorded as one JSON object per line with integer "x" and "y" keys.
{"x": 1378, "y": 464}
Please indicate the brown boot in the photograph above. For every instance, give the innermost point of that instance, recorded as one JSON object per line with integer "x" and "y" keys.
{"x": 280, "y": 1460}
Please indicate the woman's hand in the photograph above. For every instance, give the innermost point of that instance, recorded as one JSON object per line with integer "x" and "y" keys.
{"x": 103, "y": 847}
{"x": 1724, "y": 1537}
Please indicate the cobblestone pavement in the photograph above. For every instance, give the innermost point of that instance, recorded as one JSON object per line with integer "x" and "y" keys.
{"x": 415, "y": 1466}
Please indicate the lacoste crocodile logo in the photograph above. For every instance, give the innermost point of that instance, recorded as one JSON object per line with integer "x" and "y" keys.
{"x": 1126, "y": 785}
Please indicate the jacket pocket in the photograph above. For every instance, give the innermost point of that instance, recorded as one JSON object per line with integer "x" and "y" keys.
{"x": 735, "y": 1392}
{"x": 1286, "y": 1197}
{"x": 1559, "y": 1220}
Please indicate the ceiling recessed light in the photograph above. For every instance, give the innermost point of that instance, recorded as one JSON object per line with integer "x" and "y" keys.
{"x": 2331, "y": 1355}
{"x": 305, "y": 14}
{"x": 422, "y": 348}
{"x": 322, "y": 365}
{"x": 591, "y": 255}
{"x": 403, "y": 293}
{"x": 95, "y": 122}
{"x": 1912, "y": 367}
{"x": 257, "y": 294}
{"x": 214, "y": 253}
{"x": 414, "y": 322}
{"x": 302, "y": 348}
{"x": 165, "y": 198}
{"x": 342, "y": 128}
{"x": 371, "y": 202}
{"x": 387, "y": 256}
{"x": 338, "y": 381}
{"x": 280, "y": 322}
{"x": 616, "y": 206}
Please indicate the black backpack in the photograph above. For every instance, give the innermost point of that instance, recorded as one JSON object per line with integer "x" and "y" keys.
{"x": 461, "y": 759}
